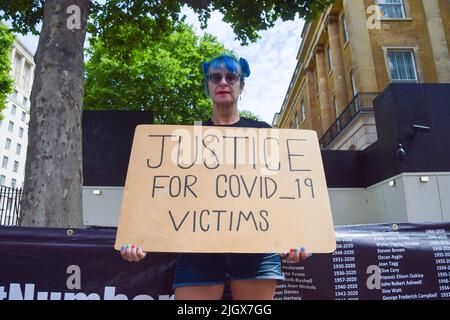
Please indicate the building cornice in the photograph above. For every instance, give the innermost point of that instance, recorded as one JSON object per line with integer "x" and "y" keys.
{"x": 24, "y": 50}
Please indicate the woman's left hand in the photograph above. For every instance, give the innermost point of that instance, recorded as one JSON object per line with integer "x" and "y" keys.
{"x": 296, "y": 255}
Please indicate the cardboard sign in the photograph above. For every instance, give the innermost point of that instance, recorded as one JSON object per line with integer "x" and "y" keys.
{"x": 225, "y": 189}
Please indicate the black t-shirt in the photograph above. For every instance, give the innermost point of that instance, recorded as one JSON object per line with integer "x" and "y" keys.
{"x": 243, "y": 122}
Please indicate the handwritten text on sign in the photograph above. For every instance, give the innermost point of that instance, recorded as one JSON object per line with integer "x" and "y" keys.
{"x": 225, "y": 189}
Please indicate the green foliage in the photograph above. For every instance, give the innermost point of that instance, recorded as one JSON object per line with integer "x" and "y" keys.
{"x": 6, "y": 83}
{"x": 25, "y": 15}
{"x": 246, "y": 17}
{"x": 249, "y": 115}
{"x": 163, "y": 75}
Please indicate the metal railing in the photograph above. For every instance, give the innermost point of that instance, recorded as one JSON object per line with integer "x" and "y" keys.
{"x": 9, "y": 206}
{"x": 361, "y": 102}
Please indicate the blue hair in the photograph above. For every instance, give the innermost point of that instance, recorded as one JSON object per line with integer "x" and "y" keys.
{"x": 228, "y": 62}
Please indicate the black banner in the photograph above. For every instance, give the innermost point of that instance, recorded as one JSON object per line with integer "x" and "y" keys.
{"x": 372, "y": 262}
{"x": 376, "y": 262}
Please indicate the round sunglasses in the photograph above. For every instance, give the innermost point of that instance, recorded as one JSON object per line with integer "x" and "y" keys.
{"x": 230, "y": 78}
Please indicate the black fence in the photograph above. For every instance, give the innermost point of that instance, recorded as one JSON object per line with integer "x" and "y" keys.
{"x": 361, "y": 102}
{"x": 9, "y": 206}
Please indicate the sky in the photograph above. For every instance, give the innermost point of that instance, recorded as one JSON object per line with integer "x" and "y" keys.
{"x": 272, "y": 60}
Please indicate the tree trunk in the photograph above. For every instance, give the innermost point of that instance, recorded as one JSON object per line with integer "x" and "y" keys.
{"x": 52, "y": 194}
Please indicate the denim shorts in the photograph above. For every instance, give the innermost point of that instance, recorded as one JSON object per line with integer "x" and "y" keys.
{"x": 197, "y": 269}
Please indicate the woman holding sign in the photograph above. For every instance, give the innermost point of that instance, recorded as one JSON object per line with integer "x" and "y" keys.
{"x": 203, "y": 275}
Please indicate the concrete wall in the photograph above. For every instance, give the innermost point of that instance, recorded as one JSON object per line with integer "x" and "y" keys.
{"x": 102, "y": 209}
{"x": 424, "y": 199}
{"x": 409, "y": 200}
{"x": 349, "y": 206}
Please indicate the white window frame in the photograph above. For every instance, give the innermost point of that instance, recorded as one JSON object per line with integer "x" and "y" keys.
{"x": 2, "y": 180}
{"x": 18, "y": 149}
{"x": 417, "y": 68}
{"x": 16, "y": 166}
{"x": 11, "y": 126}
{"x": 401, "y": 3}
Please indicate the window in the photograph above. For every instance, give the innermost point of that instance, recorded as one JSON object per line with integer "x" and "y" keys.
{"x": 296, "y": 121}
{"x": 14, "y": 94}
{"x": 13, "y": 183}
{"x": 345, "y": 29}
{"x": 24, "y": 116}
{"x": 8, "y": 144}
{"x": 21, "y": 132}
{"x": 392, "y": 8}
{"x": 26, "y": 76}
{"x": 402, "y": 66}
{"x": 17, "y": 64}
{"x": 11, "y": 126}
{"x": 13, "y": 110}
{"x": 330, "y": 62}
{"x": 25, "y": 101}
{"x": 18, "y": 148}
{"x": 2, "y": 180}
{"x": 5, "y": 162}
{"x": 354, "y": 90}
{"x": 353, "y": 84}
{"x": 16, "y": 166}
{"x": 302, "y": 109}
{"x": 335, "y": 107}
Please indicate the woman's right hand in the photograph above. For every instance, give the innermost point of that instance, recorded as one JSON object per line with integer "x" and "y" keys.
{"x": 132, "y": 253}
